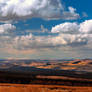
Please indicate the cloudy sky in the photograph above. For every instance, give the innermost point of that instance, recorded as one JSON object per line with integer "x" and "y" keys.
{"x": 45, "y": 29}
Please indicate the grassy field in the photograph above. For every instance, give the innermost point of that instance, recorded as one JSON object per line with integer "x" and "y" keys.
{"x": 41, "y": 88}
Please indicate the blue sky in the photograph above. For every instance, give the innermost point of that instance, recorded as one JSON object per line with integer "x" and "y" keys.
{"x": 45, "y": 29}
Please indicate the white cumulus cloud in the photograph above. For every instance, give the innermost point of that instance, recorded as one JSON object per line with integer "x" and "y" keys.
{"x": 73, "y": 28}
{"x": 66, "y": 27}
{"x": 86, "y": 27}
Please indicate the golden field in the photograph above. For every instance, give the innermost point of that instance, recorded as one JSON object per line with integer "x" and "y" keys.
{"x": 41, "y": 88}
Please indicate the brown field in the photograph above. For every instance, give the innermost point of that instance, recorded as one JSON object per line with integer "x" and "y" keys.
{"x": 41, "y": 88}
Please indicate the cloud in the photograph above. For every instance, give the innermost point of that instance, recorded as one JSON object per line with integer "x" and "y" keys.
{"x": 72, "y": 10}
{"x": 86, "y": 27}
{"x": 66, "y": 27}
{"x": 73, "y": 28}
{"x": 84, "y": 14}
{"x": 40, "y": 42}
{"x": 4, "y": 28}
{"x": 46, "y": 9}
{"x": 71, "y": 14}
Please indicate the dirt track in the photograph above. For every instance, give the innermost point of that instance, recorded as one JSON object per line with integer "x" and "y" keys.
{"x": 41, "y": 88}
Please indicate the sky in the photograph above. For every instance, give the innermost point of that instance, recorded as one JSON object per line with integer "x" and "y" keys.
{"x": 45, "y": 29}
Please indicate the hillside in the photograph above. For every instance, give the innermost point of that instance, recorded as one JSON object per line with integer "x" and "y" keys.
{"x": 46, "y": 75}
